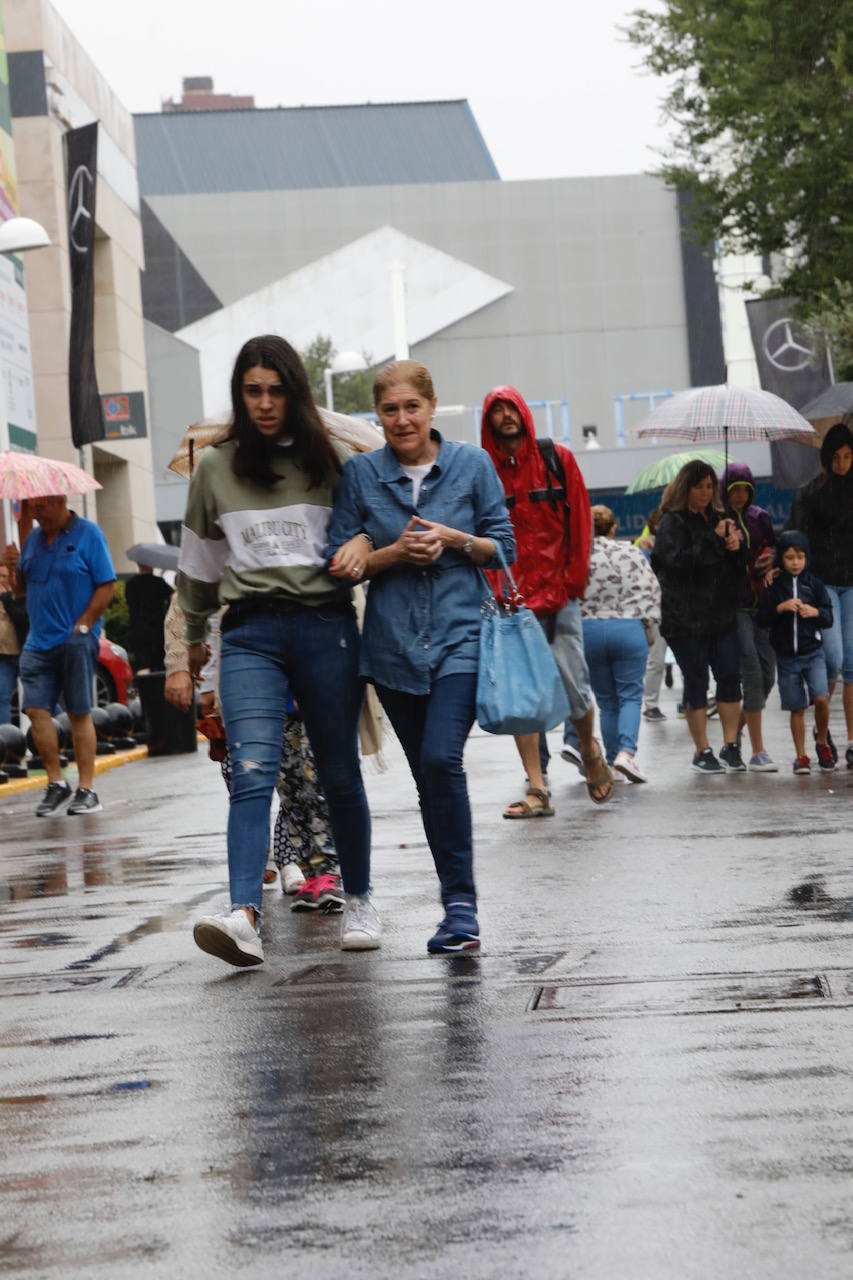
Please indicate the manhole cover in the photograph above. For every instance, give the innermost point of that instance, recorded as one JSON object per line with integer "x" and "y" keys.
{"x": 699, "y": 993}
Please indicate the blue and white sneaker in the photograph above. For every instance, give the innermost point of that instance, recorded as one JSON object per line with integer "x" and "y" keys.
{"x": 459, "y": 930}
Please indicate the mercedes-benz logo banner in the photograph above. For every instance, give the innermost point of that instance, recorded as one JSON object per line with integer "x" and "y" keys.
{"x": 790, "y": 367}
{"x": 81, "y": 153}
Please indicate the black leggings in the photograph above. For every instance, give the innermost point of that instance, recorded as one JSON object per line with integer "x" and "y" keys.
{"x": 695, "y": 654}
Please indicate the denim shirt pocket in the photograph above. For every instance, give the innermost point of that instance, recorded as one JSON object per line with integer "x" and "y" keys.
{"x": 447, "y": 502}
{"x": 390, "y": 510}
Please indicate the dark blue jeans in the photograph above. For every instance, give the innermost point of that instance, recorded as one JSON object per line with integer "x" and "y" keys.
{"x": 432, "y": 729}
{"x": 8, "y": 684}
{"x": 313, "y": 655}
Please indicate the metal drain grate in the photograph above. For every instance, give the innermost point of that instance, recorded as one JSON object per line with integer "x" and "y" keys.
{"x": 694, "y": 994}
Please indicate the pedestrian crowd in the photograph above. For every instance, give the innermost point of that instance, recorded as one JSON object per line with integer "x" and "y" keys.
{"x": 286, "y": 533}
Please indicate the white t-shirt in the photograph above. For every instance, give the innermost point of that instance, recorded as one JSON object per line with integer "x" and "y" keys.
{"x": 417, "y": 475}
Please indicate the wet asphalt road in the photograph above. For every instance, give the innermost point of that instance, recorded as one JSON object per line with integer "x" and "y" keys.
{"x": 646, "y": 1074}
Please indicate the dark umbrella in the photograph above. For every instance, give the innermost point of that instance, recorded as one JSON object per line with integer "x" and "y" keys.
{"x": 832, "y": 402}
{"x": 159, "y": 555}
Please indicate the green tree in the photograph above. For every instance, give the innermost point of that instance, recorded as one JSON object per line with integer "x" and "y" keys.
{"x": 117, "y": 618}
{"x": 830, "y": 318}
{"x": 353, "y": 392}
{"x": 761, "y": 96}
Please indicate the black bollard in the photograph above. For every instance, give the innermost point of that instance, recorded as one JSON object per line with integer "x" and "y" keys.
{"x": 66, "y": 738}
{"x": 121, "y": 725}
{"x": 103, "y": 732}
{"x": 135, "y": 709}
{"x": 36, "y": 761}
{"x": 15, "y": 750}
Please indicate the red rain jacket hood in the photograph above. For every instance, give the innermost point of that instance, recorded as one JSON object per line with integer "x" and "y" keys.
{"x": 552, "y": 562}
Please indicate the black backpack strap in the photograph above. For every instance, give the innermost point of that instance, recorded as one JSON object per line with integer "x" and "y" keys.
{"x": 553, "y": 467}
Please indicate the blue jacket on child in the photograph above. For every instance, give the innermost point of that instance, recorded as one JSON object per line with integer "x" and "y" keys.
{"x": 790, "y": 634}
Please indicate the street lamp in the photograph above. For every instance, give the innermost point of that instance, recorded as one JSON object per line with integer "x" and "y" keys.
{"x": 18, "y": 234}
{"x": 343, "y": 362}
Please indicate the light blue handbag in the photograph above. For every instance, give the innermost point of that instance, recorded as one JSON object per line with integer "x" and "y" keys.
{"x": 519, "y": 689}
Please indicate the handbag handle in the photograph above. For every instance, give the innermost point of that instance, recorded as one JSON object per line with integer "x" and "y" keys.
{"x": 511, "y": 591}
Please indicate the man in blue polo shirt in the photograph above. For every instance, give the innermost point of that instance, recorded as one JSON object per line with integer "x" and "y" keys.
{"x": 68, "y": 576}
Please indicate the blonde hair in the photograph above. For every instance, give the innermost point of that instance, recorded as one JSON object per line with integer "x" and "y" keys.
{"x": 603, "y": 520}
{"x": 403, "y": 371}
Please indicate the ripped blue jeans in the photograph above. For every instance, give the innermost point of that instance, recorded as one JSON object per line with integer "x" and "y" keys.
{"x": 312, "y": 654}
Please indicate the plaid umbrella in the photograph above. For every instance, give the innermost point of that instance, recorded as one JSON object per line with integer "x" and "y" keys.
{"x": 26, "y": 475}
{"x": 724, "y": 413}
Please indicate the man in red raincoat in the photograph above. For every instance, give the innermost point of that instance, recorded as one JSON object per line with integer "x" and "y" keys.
{"x": 553, "y": 530}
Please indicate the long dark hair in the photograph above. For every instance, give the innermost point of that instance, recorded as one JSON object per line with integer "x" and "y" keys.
{"x": 693, "y": 472}
{"x": 838, "y": 435}
{"x": 255, "y": 455}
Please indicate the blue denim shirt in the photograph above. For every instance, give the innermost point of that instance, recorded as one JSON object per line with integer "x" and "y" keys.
{"x": 422, "y": 623}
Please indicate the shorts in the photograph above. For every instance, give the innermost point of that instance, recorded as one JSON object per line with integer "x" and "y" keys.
{"x": 802, "y": 678}
{"x": 68, "y": 669}
{"x": 695, "y": 654}
{"x": 565, "y": 633}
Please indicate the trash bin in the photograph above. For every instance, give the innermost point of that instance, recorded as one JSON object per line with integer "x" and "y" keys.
{"x": 169, "y": 732}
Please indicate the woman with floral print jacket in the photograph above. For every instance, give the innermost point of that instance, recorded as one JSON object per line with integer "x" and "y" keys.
{"x": 622, "y": 595}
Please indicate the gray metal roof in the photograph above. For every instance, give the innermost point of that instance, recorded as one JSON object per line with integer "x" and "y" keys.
{"x": 282, "y": 148}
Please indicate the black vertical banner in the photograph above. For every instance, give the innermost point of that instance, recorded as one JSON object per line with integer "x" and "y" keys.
{"x": 789, "y": 365}
{"x": 87, "y": 419}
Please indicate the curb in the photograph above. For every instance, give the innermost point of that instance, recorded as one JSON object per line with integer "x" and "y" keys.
{"x": 102, "y": 764}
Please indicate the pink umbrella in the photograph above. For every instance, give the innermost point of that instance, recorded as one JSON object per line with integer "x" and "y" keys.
{"x": 26, "y": 475}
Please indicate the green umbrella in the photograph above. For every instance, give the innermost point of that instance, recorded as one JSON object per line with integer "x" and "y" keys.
{"x": 658, "y": 474}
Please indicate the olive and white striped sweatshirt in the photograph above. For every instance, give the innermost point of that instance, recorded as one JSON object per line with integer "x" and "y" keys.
{"x": 241, "y": 539}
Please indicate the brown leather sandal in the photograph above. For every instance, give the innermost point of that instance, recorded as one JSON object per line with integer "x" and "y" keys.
{"x": 524, "y": 810}
{"x": 597, "y": 774}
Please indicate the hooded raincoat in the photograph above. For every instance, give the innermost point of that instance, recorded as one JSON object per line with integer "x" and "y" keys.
{"x": 758, "y": 534}
{"x": 553, "y": 537}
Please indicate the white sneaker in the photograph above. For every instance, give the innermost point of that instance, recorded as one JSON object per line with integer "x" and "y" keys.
{"x": 359, "y": 925}
{"x": 292, "y": 879}
{"x": 231, "y": 937}
{"x": 571, "y": 755}
{"x": 627, "y": 765}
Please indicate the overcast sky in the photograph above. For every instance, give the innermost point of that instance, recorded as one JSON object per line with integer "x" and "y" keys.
{"x": 555, "y": 89}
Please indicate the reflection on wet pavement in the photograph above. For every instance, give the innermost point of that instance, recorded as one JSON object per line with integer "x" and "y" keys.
{"x": 645, "y": 1074}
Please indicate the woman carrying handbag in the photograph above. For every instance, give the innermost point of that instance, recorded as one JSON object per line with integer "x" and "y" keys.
{"x": 418, "y": 518}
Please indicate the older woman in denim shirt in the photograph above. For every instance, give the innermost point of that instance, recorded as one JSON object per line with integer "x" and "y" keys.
{"x": 430, "y": 512}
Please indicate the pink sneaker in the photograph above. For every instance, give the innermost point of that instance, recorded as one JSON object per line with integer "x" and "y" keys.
{"x": 320, "y": 893}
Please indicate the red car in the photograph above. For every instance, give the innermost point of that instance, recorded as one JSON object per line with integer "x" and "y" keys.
{"x": 113, "y": 672}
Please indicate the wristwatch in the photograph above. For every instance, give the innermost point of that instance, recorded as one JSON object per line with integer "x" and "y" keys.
{"x": 81, "y": 629}
{"x": 468, "y": 545}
